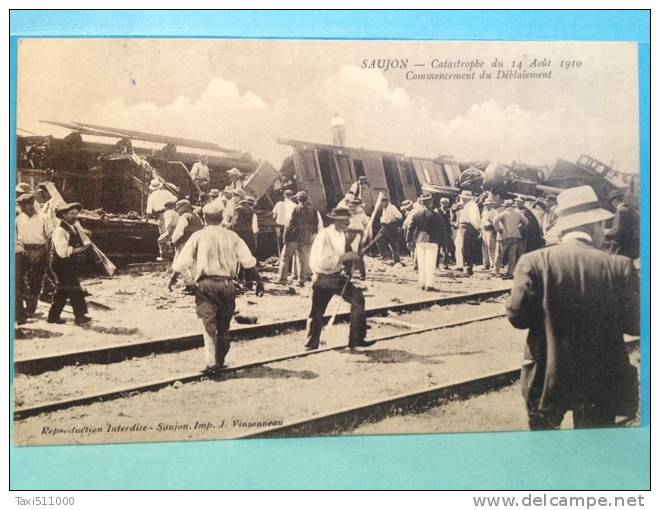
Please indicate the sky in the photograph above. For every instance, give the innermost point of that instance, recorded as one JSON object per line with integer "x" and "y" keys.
{"x": 244, "y": 95}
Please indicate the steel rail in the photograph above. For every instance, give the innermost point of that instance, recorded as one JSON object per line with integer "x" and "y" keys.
{"x": 120, "y": 352}
{"x": 127, "y": 391}
{"x": 412, "y": 402}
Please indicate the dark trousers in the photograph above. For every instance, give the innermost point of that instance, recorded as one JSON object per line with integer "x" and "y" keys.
{"x": 67, "y": 288}
{"x": 390, "y": 240}
{"x": 37, "y": 263}
{"x": 216, "y": 301}
{"x": 323, "y": 288}
{"x": 471, "y": 245}
{"x": 20, "y": 292}
{"x": 586, "y": 414}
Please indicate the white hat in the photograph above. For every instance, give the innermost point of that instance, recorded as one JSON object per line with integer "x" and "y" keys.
{"x": 579, "y": 206}
{"x": 466, "y": 193}
{"x": 212, "y": 210}
{"x": 155, "y": 184}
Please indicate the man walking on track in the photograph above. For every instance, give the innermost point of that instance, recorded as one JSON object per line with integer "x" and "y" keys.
{"x": 577, "y": 302}
{"x": 330, "y": 251}
{"x": 212, "y": 254}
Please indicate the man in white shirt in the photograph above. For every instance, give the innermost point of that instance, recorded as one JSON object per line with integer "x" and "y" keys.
{"x": 170, "y": 220}
{"x": 469, "y": 225}
{"x": 156, "y": 201}
{"x": 212, "y": 255}
{"x": 330, "y": 251}
{"x": 338, "y": 128}
{"x": 33, "y": 232}
{"x": 281, "y": 216}
{"x": 69, "y": 245}
{"x": 201, "y": 173}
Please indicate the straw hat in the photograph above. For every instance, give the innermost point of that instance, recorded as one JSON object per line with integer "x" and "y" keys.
{"x": 25, "y": 197}
{"x": 425, "y": 197}
{"x": 23, "y": 187}
{"x": 67, "y": 207}
{"x": 466, "y": 193}
{"x": 340, "y": 213}
{"x": 288, "y": 193}
{"x": 212, "y": 211}
{"x": 155, "y": 184}
{"x": 215, "y": 193}
{"x": 234, "y": 171}
{"x": 444, "y": 200}
{"x": 405, "y": 204}
{"x": 302, "y": 195}
{"x": 508, "y": 203}
{"x": 579, "y": 206}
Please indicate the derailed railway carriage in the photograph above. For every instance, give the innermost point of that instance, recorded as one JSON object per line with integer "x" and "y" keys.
{"x": 327, "y": 172}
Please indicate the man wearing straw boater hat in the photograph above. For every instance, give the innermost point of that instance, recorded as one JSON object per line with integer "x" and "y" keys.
{"x": 330, "y": 251}
{"x": 236, "y": 178}
{"x": 69, "y": 245}
{"x": 426, "y": 234}
{"x": 577, "y": 302}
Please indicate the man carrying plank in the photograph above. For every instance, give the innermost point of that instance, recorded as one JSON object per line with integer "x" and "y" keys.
{"x": 330, "y": 251}
{"x": 69, "y": 245}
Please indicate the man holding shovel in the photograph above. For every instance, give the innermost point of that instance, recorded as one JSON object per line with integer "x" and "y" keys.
{"x": 330, "y": 251}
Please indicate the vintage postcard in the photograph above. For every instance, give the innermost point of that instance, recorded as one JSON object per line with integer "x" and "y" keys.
{"x": 222, "y": 239}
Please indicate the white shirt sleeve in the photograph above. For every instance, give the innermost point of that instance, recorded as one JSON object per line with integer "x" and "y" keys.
{"x": 61, "y": 243}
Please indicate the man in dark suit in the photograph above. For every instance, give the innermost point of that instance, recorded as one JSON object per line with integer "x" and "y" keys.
{"x": 624, "y": 234}
{"x": 577, "y": 302}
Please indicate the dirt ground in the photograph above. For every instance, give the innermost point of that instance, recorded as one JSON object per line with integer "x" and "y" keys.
{"x": 80, "y": 380}
{"x": 483, "y": 413}
{"x": 132, "y": 307}
{"x": 250, "y": 399}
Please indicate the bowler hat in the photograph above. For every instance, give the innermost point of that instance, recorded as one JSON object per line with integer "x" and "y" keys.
{"x": 579, "y": 206}
{"x": 67, "y": 207}
{"x": 340, "y": 213}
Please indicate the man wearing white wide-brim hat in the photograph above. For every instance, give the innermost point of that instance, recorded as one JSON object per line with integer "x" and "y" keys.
{"x": 577, "y": 302}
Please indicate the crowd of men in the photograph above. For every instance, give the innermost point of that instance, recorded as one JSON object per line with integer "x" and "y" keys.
{"x": 576, "y": 299}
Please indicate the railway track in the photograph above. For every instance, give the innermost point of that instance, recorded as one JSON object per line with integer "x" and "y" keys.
{"x": 128, "y": 391}
{"x": 351, "y": 417}
{"x": 121, "y": 352}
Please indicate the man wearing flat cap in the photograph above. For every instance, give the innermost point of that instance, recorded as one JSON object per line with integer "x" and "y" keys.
{"x": 33, "y": 234}
{"x": 624, "y": 234}
{"x": 69, "y": 246}
{"x": 187, "y": 224}
{"x": 212, "y": 256}
{"x": 577, "y": 302}
{"x": 298, "y": 234}
{"x": 330, "y": 252}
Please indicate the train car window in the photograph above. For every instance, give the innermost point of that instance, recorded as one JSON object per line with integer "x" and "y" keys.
{"x": 427, "y": 175}
{"x": 358, "y": 164}
{"x": 309, "y": 166}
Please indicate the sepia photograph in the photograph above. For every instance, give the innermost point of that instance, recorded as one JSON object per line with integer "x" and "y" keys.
{"x": 235, "y": 238}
